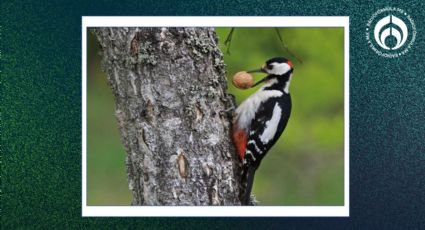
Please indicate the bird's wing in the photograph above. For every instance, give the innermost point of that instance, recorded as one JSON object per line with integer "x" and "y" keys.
{"x": 265, "y": 129}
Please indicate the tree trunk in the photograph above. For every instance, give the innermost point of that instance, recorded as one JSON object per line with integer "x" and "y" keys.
{"x": 171, "y": 93}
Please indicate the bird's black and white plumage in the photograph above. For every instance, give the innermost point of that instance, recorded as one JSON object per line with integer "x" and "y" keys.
{"x": 261, "y": 119}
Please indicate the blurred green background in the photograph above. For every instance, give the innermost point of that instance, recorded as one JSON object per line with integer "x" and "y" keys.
{"x": 306, "y": 165}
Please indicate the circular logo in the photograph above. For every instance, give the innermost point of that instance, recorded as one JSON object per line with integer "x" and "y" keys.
{"x": 390, "y": 32}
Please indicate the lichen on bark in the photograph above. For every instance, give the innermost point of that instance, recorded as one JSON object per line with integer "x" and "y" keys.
{"x": 170, "y": 92}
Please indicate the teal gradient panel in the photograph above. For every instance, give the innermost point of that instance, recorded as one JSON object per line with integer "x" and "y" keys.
{"x": 41, "y": 116}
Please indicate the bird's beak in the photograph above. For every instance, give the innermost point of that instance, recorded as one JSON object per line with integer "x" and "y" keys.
{"x": 260, "y": 70}
{"x": 260, "y": 81}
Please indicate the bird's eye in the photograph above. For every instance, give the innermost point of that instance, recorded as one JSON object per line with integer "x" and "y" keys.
{"x": 270, "y": 67}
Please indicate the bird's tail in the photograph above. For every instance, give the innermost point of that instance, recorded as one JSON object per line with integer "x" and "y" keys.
{"x": 247, "y": 181}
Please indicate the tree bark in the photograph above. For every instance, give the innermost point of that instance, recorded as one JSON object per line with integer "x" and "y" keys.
{"x": 171, "y": 93}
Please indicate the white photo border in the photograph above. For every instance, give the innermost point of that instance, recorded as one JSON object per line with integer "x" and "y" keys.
{"x": 222, "y": 211}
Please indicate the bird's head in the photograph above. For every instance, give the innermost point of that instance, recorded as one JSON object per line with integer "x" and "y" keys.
{"x": 277, "y": 67}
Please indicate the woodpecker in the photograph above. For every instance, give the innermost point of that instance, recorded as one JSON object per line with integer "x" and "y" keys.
{"x": 261, "y": 118}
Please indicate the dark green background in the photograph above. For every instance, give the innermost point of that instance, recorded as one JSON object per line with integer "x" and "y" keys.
{"x": 41, "y": 116}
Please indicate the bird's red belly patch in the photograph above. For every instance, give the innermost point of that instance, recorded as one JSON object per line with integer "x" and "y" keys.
{"x": 240, "y": 139}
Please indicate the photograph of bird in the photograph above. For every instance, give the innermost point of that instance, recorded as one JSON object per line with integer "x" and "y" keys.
{"x": 260, "y": 120}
